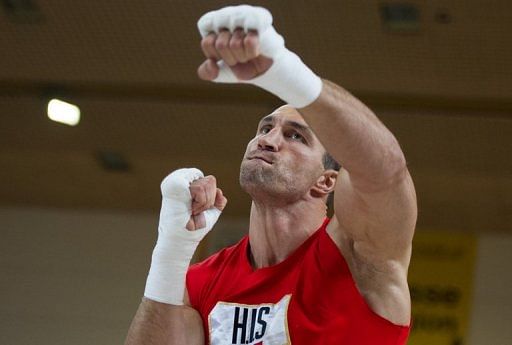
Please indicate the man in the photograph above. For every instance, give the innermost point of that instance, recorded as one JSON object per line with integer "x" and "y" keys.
{"x": 298, "y": 277}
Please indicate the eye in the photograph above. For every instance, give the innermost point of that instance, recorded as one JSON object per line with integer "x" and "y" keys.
{"x": 265, "y": 129}
{"x": 296, "y": 136}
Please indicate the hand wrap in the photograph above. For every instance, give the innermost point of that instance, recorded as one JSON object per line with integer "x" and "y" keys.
{"x": 288, "y": 78}
{"x": 175, "y": 245}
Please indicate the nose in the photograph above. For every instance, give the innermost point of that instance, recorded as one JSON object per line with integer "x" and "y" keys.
{"x": 270, "y": 141}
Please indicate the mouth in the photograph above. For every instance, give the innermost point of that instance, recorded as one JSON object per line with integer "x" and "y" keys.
{"x": 261, "y": 159}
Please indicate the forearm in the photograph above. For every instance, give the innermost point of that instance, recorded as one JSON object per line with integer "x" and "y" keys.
{"x": 164, "y": 324}
{"x": 164, "y": 315}
{"x": 354, "y": 136}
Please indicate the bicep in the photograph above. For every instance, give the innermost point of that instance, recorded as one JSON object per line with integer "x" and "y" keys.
{"x": 379, "y": 221}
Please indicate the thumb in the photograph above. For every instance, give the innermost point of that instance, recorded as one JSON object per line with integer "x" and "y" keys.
{"x": 208, "y": 70}
{"x": 220, "y": 200}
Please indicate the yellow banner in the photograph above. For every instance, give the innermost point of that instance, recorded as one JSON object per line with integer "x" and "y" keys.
{"x": 441, "y": 280}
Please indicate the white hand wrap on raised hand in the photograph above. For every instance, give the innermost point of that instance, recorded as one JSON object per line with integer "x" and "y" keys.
{"x": 288, "y": 78}
{"x": 175, "y": 245}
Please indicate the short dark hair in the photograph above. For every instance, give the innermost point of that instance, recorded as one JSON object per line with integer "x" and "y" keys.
{"x": 329, "y": 162}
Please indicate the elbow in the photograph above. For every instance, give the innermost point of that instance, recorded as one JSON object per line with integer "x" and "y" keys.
{"x": 390, "y": 171}
{"x": 385, "y": 168}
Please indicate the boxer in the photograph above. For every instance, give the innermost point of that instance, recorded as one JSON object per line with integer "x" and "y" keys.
{"x": 297, "y": 277}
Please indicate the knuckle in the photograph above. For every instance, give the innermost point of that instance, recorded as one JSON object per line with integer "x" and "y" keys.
{"x": 199, "y": 199}
{"x": 197, "y": 195}
{"x": 250, "y": 42}
{"x": 221, "y": 43}
{"x": 207, "y": 42}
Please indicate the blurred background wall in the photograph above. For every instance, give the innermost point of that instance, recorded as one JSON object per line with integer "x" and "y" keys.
{"x": 79, "y": 205}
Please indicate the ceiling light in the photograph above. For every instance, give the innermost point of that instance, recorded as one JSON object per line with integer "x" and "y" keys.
{"x": 400, "y": 17}
{"x": 63, "y": 112}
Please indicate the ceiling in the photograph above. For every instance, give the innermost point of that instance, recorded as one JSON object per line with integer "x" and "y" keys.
{"x": 444, "y": 90}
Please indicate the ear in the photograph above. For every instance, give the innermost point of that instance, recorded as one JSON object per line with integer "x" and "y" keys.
{"x": 325, "y": 183}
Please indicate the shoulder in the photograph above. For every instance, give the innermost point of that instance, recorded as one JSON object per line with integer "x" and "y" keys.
{"x": 201, "y": 274}
{"x": 218, "y": 259}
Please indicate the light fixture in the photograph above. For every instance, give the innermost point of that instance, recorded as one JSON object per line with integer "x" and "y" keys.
{"x": 22, "y": 11}
{"x": 63, "y": 112}
{"x": 400, "y": 17}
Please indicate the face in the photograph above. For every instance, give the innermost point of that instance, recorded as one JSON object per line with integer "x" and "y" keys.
{"x": 284, "y": 160}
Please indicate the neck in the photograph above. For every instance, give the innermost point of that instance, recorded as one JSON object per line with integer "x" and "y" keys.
{"x": 275, "y": 232}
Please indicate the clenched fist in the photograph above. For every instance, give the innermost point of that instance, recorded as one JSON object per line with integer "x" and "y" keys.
{"x": 239, "y": 50}
{"x": 205, "y": 195}
{"x": 190, "y": 201}
{"x": 241, "y": 46}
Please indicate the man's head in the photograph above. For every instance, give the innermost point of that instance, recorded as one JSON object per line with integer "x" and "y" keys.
{"x": 285, "y": 162}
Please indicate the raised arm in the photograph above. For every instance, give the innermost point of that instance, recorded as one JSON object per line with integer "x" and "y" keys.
{"x": 374, "y": 199}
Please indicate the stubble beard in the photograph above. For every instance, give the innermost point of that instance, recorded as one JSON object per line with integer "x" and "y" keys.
{"x": 268, "y": 184}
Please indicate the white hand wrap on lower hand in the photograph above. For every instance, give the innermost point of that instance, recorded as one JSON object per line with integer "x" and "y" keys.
{"x": 175, "y": 245}
{"x": 288, "y": 78}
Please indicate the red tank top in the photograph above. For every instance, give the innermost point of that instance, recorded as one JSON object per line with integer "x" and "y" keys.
{"x": 309, "y": 298}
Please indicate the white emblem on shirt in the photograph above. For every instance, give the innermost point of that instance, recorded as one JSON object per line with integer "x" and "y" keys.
{"x": 266, "y": 324}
